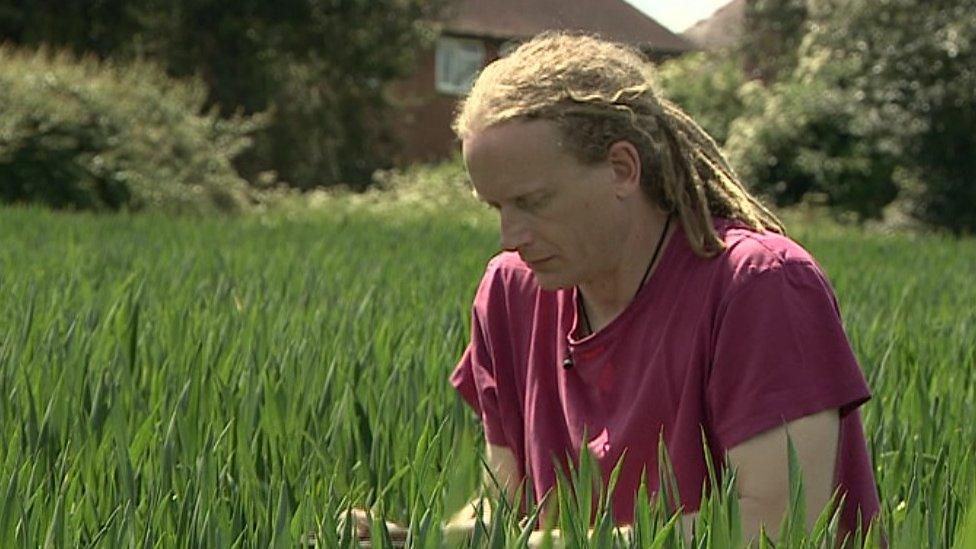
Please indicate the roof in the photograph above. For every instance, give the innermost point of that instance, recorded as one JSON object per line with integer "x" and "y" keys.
{"x": 723, "y": 29}
{"x": 520, "y": 19}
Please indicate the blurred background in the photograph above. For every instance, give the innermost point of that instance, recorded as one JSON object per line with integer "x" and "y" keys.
{"x": 865, "y": 109}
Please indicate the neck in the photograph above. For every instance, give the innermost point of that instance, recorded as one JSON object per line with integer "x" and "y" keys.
{"x": 606, "y": 295}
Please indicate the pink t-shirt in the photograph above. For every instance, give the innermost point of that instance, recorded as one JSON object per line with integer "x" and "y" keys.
{"x": 736, "y": 345}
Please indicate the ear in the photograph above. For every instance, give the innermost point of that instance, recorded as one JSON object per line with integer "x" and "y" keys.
{"x": 626, "y": 165}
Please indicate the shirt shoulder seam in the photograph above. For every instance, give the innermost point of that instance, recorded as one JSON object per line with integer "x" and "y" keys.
{"x": 779, "y": 265}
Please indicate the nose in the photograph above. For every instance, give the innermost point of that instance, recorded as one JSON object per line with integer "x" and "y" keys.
{"x": 515, "y": 233}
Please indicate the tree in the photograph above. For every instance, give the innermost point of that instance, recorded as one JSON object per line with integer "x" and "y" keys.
{"x": 706, "y": 85}
{"x": 83, "y": 134}
{"x": 100, "y": 27}
{"x": 321, "y": 66}
{"x": 773, "y": 30}
{"x": 801, "y": 138}
{"x": 910, "y": 68}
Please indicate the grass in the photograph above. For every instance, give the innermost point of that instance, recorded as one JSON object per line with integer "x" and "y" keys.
{"x": 239, "y": 382}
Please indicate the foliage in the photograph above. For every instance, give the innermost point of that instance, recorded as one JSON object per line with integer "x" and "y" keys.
{"x": 772, "y": 33}
{"x": 802, "y": 138}
{"x": 706, "y": 86}
{"x": 320, "y": 65}
{"x": 415, "y": 193}
{"x": 910, "y": 67}
{"x": 878, "y": 102}
{"x": 327, "y": 130}
{"x": 78, "y": 133}
{"x": 438, "y": 190}
{"x": 97, "y": 27}
{"x": 238, "y": 381}
{"x": 966, "y": 539}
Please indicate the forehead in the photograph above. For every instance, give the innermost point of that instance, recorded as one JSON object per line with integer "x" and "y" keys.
{"x": 534, "y": 130}
{"x": 514, "y": 156}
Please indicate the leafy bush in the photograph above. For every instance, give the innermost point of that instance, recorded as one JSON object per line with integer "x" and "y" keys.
{"x": 773, "y": 30}
{"x": 910, "y": 64}
{"x": 706, "y": 85}
{"x": 83, "y": 134}
{"x": 800, "y": 137}
{"x": 325, "y": 130}
{"x": 321, "y": 67}
{"x": 417, "y": 192}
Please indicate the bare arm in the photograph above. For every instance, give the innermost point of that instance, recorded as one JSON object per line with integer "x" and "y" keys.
{"x": 502, "y": 464}
{"x": 762, "y": 474}
{"x": 763, "y": 471}
{"x": 763, "y": 480}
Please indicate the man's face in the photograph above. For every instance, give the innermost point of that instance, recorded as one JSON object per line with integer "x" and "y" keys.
{"x": 565, "y": 219}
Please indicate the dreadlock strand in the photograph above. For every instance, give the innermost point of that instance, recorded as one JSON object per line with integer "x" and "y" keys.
{"x": 708, "y": 152}
{"x": 730, "y": 194}
{"x": 743, "y": 205}
{"x": 746, "y": 207}
{"x": 698, "y": 135}
{"x": 691, "y": 189}
{"x": 687, "y": 181}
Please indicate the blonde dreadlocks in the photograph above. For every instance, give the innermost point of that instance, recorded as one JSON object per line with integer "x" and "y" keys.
{"x": 598, "y": 93}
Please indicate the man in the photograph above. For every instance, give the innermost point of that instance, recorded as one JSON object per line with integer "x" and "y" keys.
{"x": 644, "y": 295}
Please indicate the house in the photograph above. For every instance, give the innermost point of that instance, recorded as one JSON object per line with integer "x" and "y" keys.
{"x": 476, "y": 32}
{"x": 720, "y": 31}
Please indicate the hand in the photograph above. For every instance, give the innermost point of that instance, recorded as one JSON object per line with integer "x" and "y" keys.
{"x": 362, "y": 526}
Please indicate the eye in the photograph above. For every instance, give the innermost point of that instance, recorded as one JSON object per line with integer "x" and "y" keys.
{"x": 531, "y": 203}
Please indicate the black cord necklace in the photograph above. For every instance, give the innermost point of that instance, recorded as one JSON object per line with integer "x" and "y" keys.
{"x": 647, "y": 271}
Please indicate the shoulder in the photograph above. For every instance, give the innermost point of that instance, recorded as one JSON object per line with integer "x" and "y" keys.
{"x": 508, "y": 264}
{"x": 508, "y": 269}
{"x": 750, "y": 254}
{"x": 506, "y": 279}
{"x": 763, "y": 265}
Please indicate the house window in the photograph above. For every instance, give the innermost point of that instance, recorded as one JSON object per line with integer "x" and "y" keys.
{"x": 458, "y": 62}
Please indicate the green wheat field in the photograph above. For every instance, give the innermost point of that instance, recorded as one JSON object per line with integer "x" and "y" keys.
{"x": 240, "y": 382}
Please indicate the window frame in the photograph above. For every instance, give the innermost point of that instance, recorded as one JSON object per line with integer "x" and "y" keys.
{"x": 454, "y": 45}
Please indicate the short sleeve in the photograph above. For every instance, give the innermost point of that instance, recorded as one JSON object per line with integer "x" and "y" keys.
{"x": 779, "y": 353}
{"x": 474, "y": 379}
